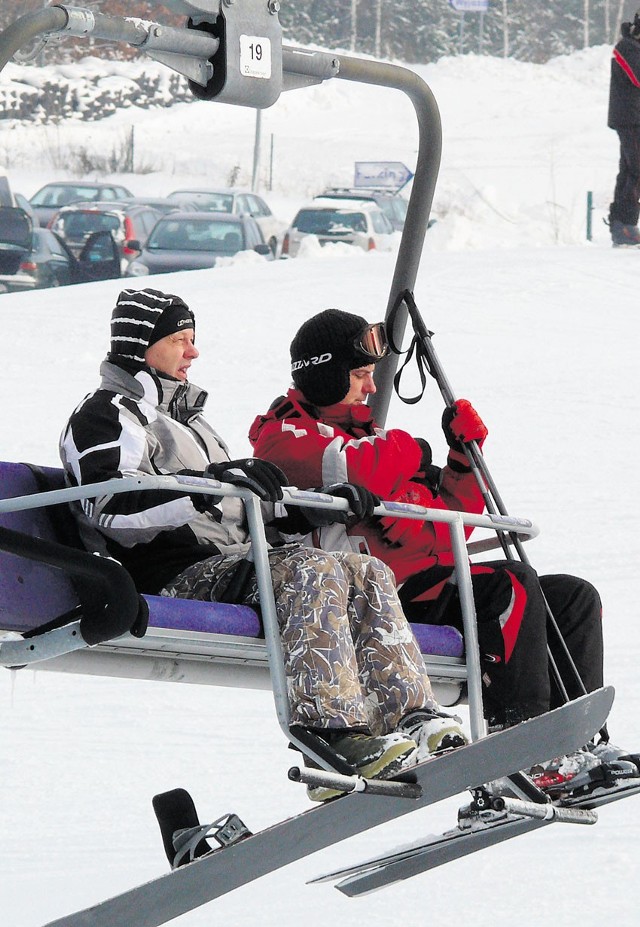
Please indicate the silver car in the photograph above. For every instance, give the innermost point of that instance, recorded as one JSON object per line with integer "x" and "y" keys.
{"x": 393, "y": 205}
{"x": 50, "y": 198}
{"x": 353, "y": 222}
{"x": 237, "y": 203}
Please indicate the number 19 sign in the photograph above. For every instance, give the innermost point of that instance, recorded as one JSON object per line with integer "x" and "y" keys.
{"x": 255, "y": 56}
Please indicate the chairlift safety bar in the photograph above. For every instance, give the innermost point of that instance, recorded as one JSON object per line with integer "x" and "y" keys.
{"x": 457, "y": 521}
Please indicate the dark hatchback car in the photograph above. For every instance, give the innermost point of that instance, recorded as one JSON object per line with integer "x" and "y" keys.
{"x": 126, "y": 221}
{"x": 36, "y": 258}
{"x": 195, "y": 240}
{"x": 53, "y": 196}
{"x": 238, "y": 203}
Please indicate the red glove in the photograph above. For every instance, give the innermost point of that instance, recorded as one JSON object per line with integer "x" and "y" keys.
{"x": 461, "y": 423}
{"x": 404, "y": 531}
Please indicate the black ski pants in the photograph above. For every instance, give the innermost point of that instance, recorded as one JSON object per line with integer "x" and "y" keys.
{"x": 516, "y": 635}
{"x": 625, "y": 207}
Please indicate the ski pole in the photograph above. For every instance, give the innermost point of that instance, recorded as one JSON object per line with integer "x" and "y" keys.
{"x": 427, "y": 360}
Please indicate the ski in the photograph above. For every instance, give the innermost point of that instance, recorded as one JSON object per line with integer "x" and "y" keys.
{"x": 432, "y": 851}
{"x": 474, "y": 832}
{"x": 209, "y": 876}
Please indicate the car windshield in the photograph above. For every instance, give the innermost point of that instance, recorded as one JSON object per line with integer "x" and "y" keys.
{"x": 61, "y": 196}
{"x": 214, "y": 202}
{"x": 329, "y": 221}
{"x": 180, "y": 235}
{"x": 80, "y": 224}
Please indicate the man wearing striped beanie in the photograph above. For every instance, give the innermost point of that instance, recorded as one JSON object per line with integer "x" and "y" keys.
{"x": 143, "y": 317}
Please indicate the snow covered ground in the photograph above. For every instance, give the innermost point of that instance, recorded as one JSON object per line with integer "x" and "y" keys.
{"x": 538, "y": 327}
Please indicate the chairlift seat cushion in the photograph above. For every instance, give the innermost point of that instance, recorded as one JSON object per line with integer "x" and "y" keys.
{"x": 439, "y": 640}
{"x": 212, "y": 617}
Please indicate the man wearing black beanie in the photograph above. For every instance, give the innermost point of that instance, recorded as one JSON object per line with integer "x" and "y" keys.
{"x": 323, "y": 431}
{"x": 354, "y": 670}
{"x": 323, "y": 354}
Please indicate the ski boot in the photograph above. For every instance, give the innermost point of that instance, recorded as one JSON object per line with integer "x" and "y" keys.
{"x": 582, "y": 773}
{"x": 624, "y": 236}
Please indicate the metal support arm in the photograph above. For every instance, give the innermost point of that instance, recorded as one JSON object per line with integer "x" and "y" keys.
{"x": 185, "y": 50}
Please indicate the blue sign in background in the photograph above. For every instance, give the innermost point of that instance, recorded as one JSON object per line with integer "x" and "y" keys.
{"x": 470, "y": 6}
{"x": 389, "y": 174}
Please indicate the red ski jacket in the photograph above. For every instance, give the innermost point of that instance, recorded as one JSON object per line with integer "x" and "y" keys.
{"x": 346, "y": 445}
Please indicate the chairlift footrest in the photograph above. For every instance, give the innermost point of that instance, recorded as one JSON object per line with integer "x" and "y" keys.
{"x": 323, "y": 779}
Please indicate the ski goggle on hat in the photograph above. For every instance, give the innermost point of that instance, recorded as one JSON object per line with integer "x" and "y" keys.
{"x": 372, "y": 341}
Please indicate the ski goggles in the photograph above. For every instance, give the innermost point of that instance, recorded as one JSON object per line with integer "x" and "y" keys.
{"x": 372, "y": 341}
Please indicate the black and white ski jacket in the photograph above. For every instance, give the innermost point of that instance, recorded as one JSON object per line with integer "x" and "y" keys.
{"x": 143, "y": 423}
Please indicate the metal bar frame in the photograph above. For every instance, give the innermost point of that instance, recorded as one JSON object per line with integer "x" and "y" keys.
{"x": 457, "y": 522}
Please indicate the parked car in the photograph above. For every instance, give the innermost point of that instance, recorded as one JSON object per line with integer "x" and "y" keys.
{"x": 193, "y": 240}
{"x": 238, "y": 203}
{"x": 25, "y": 205}
{"x": 9, "y": 198}
{"x": 162, "y": 203}
{"x": 33, "y": 258}
{"x": 393, "y": 205}
{"x": 126, "y": 221}
{"x": 354, "y": 222}
{"x": 50, "y": 198}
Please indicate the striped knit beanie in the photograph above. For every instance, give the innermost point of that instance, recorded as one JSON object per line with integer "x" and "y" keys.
{"x": 142, "y": 317}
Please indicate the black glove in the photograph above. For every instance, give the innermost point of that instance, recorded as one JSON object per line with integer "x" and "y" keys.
{"x": 361, "y": 503}
{"x": 260, "y": 476}
{"x": 427, "y": 455}
{"x": 427, "y": 473}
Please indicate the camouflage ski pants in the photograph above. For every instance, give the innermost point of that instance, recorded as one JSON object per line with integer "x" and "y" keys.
{"x": 351, "y": 660}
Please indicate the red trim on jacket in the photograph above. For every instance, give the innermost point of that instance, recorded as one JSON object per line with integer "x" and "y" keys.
{"x": 512, "y": 618}
{"x": 626, "y": 67}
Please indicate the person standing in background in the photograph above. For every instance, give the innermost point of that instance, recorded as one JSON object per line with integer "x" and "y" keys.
{"x": 624, "y": 117}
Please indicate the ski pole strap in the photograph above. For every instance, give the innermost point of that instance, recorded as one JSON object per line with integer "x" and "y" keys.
{"x": 416, "y": 347}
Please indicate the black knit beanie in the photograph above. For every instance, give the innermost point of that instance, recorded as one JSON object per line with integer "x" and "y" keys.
{"x": 142, "y": 317}
{"x": 323, "y": 353}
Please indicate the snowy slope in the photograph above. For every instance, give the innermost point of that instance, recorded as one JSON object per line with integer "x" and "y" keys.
{"x": 539, "y": 328}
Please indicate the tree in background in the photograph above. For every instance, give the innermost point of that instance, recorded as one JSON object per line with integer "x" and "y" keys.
{"x": 413, "y": 31}
{"x": 419, "y": 31}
